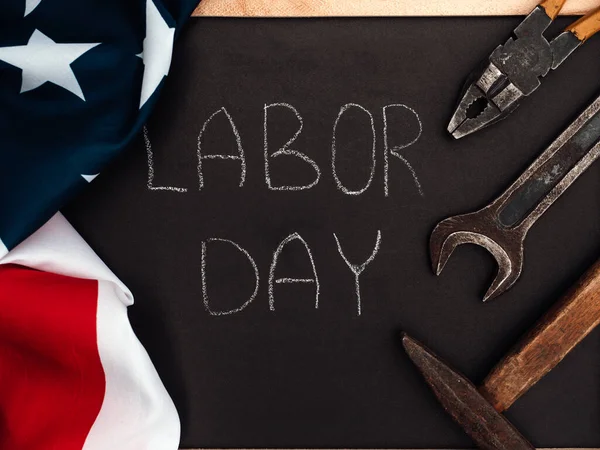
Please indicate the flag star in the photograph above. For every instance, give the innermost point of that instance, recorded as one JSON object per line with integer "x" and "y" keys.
{"x": 43, "y": 60}
{"x": 3, "y": 249}
{"x": 30, "y": 5}
{"x": 89, "y": 178}
{"x": 157, "y": 50}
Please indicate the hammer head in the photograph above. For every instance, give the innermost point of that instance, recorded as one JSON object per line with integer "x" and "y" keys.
{"x": 489, "y": 429}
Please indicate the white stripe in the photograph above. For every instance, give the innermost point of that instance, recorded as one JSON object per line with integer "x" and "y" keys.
{"x": 137, "y": 413}
{"x": 56, "y": 247}
{"x": 3, "y": 249}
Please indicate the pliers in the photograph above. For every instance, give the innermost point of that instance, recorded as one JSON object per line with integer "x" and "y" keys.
{"x": 514, "y": 69}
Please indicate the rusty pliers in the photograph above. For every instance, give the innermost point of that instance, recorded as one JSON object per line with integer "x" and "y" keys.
{"x": 514, "y": 69}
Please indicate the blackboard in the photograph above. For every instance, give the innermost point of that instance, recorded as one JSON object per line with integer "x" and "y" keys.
{"x": 327, "y": 376}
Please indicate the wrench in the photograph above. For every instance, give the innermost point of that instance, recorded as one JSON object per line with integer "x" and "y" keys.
{"x": 501, "y": 227}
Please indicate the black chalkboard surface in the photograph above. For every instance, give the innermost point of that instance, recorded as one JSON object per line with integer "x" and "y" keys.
{"x": 351, "y": 114}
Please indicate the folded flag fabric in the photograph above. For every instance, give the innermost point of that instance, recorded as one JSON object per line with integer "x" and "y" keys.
{"x": 73, "y": 376}
{"x": 77, "y": 82}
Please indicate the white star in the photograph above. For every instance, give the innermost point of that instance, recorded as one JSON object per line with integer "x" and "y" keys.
{"x": 30, "y": 5}
{"x": 3, "y": 249}
{"x": 43, "y": 60}
{"x": 89, "y": 178}
{"x": 157, "y": 50}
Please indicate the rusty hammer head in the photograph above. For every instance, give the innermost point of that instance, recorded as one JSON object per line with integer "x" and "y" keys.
{"x": 489, "y": 429}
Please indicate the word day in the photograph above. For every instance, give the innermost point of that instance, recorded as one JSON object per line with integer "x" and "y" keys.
{"x": 269, "y": 153}
{"x": 356, "y": 268}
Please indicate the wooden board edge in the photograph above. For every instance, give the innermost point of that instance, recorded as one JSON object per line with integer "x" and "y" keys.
{"x": 342, "y": 8}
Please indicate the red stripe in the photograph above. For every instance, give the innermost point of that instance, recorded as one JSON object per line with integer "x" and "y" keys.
{"x": 51, "y": 378}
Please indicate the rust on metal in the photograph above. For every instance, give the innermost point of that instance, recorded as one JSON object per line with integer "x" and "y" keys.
{"x": 516, "y": 69}
{"x": 501, "y": 227}
{"x": 489, "y": 429}
{"x": 478, "y": 411}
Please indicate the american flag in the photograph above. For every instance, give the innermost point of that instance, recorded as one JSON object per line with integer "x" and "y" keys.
{"x": 77, "y": 82}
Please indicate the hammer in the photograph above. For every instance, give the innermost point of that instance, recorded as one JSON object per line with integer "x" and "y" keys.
{"x": 478, "y": 410}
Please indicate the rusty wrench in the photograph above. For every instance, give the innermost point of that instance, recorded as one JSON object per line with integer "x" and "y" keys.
{"x": 501, "y": 227}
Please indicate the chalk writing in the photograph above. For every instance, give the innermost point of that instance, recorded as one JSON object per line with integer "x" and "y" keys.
{"x": 394, "y": 151}
{"x": 339, "y": 184}
{"x": 205, "y": 284}
{"x": 286, "y": 151}
{"x": 391, "y": 150}
{"x": 238, "y": 140}
{"x": 150, "y": 160}
{"x": 358, "y": 269}
{"x": 315, "y": 280}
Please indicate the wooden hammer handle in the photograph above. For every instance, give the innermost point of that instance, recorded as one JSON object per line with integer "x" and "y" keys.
{"x": 539, "y": 351}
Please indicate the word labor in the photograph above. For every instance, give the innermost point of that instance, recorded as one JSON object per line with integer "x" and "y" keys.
{"x": 215, "y": 243}
{"x": 271, "y": 152}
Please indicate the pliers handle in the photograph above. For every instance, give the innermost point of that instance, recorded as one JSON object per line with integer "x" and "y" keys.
{"x": 552, "y": 7}
{"x": 584, "y": 28}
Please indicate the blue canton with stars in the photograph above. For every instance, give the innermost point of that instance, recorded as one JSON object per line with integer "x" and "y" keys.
{"x": 77, "y": 81}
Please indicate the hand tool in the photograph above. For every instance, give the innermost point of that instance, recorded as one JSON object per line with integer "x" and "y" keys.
{"x": 478, "y": 410}
{"x": 514, "y": 70}
{"x": 501, "y": 227}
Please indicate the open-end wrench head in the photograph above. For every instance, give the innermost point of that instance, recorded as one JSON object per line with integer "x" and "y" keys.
{"x": 474, "y": 228}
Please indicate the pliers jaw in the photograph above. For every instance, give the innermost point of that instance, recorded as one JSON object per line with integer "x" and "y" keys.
{"x": 488, "y": 97}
